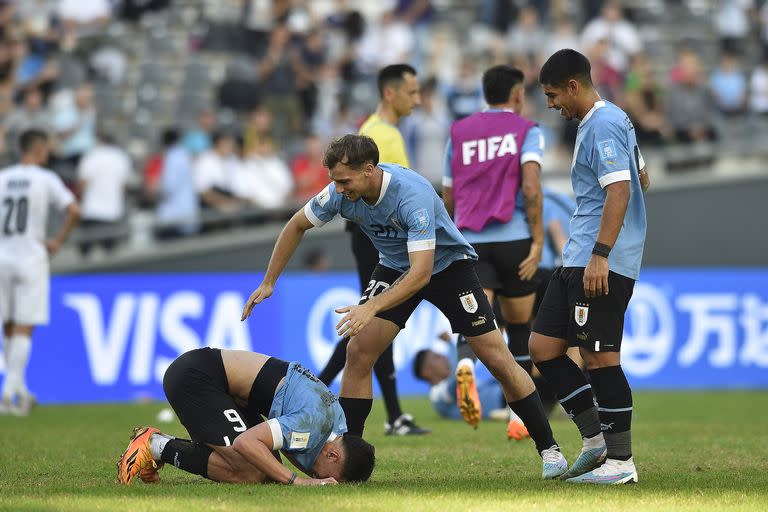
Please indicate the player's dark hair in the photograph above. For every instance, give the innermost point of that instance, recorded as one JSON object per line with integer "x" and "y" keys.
{"x": 31, "y": 138}
{"x": 393, "y": 74}
{"x": 565, "y": 65}
{"x": 418, "y": 362}
{"x": 499, "y": 81}
{"x": 351, "y": 150}
{"x": 360, "y": 459}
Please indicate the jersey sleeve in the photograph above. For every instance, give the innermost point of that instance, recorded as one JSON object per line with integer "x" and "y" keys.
{"x": 533, "y": 146}
{"x": 61, "y": 196}
{"x": 610, "y": 154}
{"x": 289, "y": 433}
{"x": 419, "y": 216}
{"x": 447, "y": 176}
{"x": 323, "y": 207}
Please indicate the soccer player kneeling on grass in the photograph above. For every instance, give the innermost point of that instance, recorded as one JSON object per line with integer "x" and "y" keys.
{"x": 222, "y": 398}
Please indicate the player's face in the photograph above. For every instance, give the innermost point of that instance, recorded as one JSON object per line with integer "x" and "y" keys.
{"x": 407, "y": 95}
{"x": 352, "y": 183}
{"x": 559, "y": 98}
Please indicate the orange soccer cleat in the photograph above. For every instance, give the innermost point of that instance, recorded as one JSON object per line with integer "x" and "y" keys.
{"x": 466, "y": 395}
{"x": 137, "y": 457}
{"x": 516, "y": 430}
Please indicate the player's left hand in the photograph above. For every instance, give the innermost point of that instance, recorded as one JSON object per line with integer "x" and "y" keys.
{"x": 356, "y": 318}
{"x": 596, "y": 277}
{"x": 52, "y": 246}
{"x": 528, "y": 267}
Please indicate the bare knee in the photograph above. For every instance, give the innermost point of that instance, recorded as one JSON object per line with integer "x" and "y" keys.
{"x": 545, "y": 348}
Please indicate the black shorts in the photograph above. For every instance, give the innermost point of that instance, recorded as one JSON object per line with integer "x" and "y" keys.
{"x": 543, "y": 275}
{"x": 498, "y": 265}
{"x": 456, "y": 291}
{"x": 595, "y": 324}
{"x": 197, "y": 389}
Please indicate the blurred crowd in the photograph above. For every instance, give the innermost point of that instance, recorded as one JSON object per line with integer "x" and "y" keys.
{"x": 298, "y": 73}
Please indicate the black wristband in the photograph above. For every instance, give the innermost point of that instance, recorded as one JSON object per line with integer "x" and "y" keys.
{"x": 601, "y": 250}
{"x": 292, "y": 479}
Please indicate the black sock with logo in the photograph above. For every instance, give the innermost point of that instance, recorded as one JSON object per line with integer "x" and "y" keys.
{"x": 384, "y": 369}
{"x": 188, "y": 456}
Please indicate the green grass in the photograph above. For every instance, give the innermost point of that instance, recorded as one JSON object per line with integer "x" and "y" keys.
{"x": 694, "y": 451}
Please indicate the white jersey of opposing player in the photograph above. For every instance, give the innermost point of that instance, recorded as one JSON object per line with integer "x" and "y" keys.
{"x": 26, "y": 194}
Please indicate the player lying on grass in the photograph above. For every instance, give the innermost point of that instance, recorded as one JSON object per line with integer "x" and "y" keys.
{"x": 222, "y": 397}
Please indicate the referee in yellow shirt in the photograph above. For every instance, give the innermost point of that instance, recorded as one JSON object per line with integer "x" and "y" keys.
{"x": 399, "y": 93}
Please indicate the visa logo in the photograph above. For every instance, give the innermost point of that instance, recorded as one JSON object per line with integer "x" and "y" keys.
{"x": 107, "y": 334}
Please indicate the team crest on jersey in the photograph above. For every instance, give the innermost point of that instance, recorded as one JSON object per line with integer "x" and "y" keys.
{"x": 323, "y": 197}
{"x": 468, "y": 302}
{"x": 580, "y": 314}
{"x": 299, "y": 440}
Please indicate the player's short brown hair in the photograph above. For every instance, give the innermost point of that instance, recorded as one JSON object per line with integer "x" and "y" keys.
{"x": 354, "y": 151}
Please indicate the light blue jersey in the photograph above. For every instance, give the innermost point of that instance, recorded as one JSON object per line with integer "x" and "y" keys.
{"x": 556, "y": 207}
{"x": 606, "y": 152}
{"x": 532, "y": 150}
{"x": 408, "y": 217}
{"x": 304, "y": 416}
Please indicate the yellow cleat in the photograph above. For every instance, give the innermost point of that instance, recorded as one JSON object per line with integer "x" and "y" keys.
{"x": 516, "y": 430}
{"x": 137, "y": 457}
{"x": 466, "y": 395}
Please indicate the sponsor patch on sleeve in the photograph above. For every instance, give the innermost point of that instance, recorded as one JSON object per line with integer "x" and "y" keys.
{"x": 299, "y": 440}
{"x": 607, "y": 149}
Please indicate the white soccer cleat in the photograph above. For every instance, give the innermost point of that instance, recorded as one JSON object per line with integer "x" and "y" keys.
{"x": 554, "y": 463}
{"x": 612, "y": 472}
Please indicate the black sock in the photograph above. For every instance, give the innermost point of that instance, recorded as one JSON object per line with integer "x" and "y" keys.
{"x": 614, "y": 400}
{"x": 335, "y": 364}
{"x": 188, "y": 456}
{"x": 517, "y": 341}
{"x": 547, "y": 394}
{"x": 384, "y": 369}
{"x": 574, "y": 392}
{"x": 464, "y": 349}
{"x": 356, "y": 410}
{"x": 535, "y": 420}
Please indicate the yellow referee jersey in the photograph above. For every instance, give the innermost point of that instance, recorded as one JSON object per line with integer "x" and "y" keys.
{"x": 388, "y": 138}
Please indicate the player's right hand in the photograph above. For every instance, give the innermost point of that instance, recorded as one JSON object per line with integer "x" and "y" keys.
{"x": 315, "y": 481}
{"x": 259, "y": 294}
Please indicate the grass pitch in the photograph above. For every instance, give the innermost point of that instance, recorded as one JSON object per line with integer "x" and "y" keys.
{"x": 694, "y": 451}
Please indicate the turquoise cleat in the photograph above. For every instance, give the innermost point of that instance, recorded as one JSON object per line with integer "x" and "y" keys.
{"x": 612, "y": 472}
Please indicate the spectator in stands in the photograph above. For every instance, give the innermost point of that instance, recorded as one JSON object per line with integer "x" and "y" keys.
{"x": 277, "y": 81}
{"x": 32, "y": 113}
{"x": 214, "y": 174}
{"x": 688, "y": 104}
{"x": 264, "y": 179}
{"x": 178, "y": 210}
{"x": 622, "y": 37}
{"x": 465, "y": 96}
{"x": 643, "y": 99}
{"x": 729, "y": 86}
{"x": 153, "y": 168}
{"x": 309, "y": 174}
{"x": 74, "y": 121}
{"x": 731, "y": 21}
{"x": 758, "y": 88}
{"x": 425, "y": 132}
{"x": 259, "y": 127}
{"x": 387, "y": 41}
{"x": 103, "y": 176}
{"x": 608, "y": 80}
{"x": 198, "y": 139}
